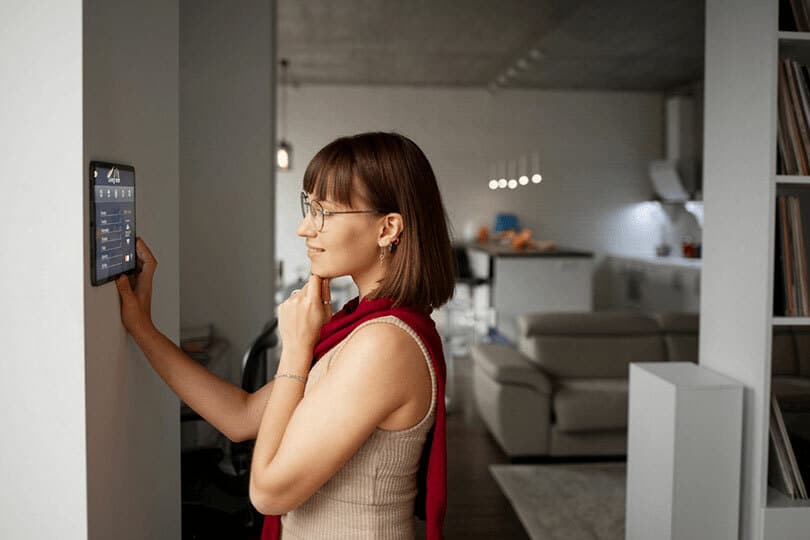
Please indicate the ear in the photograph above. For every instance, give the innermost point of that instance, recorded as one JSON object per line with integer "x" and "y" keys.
{"x": 391, "y": 228}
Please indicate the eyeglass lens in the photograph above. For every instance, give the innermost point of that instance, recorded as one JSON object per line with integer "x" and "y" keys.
{"x": 314, "y": 209}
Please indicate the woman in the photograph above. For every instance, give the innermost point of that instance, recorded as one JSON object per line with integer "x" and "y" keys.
{"x": 349, "y": 434}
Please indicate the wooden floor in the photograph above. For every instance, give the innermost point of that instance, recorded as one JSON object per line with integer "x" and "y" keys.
{"x": 476, "y": 508}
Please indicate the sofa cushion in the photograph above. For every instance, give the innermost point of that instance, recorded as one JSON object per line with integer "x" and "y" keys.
{"x": 590, "y": 323}
{"x": 592, "y": 356}
{"x": 783, "y": 352}
{"x": 589, "y": 344}
{"x": 680, "y": 333}
{"x": 507, "y": 365}
{"x": 590, "y": 404}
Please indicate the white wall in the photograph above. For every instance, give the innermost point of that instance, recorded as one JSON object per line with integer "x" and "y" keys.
{"x": 131, "y": 115}
{"x": 91, "y": 436}
{"x": 594, "y": 149}
{"x": 227, "y": 171}
{"x": 42, "y": 455}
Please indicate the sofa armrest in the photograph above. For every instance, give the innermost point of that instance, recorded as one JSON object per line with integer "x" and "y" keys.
{"x": 509, "y": 366}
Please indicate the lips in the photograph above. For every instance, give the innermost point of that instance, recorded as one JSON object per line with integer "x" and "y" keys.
{"x": 311, "y": 249}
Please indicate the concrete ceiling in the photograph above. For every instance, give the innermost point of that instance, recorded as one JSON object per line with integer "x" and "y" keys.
{"x": 643, "y": 45}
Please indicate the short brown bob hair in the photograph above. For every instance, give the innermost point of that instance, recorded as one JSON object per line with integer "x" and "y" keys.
{"x": 393, "y": 175}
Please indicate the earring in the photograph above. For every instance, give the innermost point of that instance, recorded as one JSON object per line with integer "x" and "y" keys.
{"x": 382, "y": 254}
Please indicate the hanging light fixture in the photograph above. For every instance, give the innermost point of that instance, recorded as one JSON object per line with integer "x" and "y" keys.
{"x": 524, "y": 168}
{"x": 284, "y": 150}
{"x": 536, "y": 176}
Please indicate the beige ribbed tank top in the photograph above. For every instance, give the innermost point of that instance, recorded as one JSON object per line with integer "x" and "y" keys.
{"x": 372, "y": 495}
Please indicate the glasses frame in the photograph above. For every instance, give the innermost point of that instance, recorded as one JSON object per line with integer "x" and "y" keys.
{"x": 307, "y": 206}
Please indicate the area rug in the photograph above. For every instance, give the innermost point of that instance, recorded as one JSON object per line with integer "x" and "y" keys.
{"x": 582, "y": 501}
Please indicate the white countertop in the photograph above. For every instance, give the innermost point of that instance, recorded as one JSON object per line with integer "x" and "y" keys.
{"x": 683, "y": 262}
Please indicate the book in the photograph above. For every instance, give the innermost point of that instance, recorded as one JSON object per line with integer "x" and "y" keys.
{"x": 780, "y": 291}
{"x": 787, "y": 21}
{"x": 788, "y": 261}
{"x": 803, "y": 14}
{"x": 781, "y": 153}
{"x": 798, "y": 428}
{"x": 798, "y": 111}
{"x": 792, "y": 465}
{"x": 784, "y": 123}
{"x": 794, "y": 244}
{"x": 801, "y": 257}
{"x": 790, "y": 114}
{"x": 799, "y": 18}
{"x": 778, "y": 473}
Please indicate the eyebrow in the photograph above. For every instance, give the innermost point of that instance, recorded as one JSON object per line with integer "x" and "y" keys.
{"x": 329, "y": 202}
{"x": 324, "y": 201}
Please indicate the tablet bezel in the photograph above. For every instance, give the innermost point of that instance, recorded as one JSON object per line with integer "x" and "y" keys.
{"x": 92, "y": 184}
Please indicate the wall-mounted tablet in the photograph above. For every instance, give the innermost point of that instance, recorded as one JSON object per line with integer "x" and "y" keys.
{"x": 112, "y": 221}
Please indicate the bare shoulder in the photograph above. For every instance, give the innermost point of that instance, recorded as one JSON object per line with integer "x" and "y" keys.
{"x": 386, "y": 341}
{"x": 388, "y": 353}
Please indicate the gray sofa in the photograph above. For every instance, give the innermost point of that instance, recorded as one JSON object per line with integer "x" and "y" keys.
{"x": 563, "y": 391}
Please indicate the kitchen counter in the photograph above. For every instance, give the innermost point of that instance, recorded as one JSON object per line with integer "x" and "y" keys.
{"x": 531, "y": 280}
{"x": 685, "y": 262}
{"x": 498, "y": 250}
{"x": 651, "y": 283}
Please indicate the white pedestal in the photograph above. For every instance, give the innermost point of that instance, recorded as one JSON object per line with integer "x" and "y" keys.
{"x": 683, "y": 453}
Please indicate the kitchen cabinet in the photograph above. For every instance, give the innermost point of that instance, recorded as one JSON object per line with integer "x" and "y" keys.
{"x": 653, "y": 284}
{"x": 525, "y": 281}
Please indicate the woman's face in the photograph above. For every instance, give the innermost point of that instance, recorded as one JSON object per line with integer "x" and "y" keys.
{"x": 347, "y": 243}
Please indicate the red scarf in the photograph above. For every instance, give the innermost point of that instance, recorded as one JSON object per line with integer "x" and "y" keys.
{"x": 431, "y": 498}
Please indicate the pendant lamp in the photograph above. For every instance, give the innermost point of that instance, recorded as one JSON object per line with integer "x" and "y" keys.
{"x": 284, "y": 149}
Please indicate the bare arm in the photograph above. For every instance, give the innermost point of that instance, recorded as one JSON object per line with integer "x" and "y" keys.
{"x": 227, "y": 407}
{"x": 224, "y": 405}
{"x": 307, "y": 439}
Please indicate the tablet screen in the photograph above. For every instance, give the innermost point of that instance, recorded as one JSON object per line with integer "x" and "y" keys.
{"x": 113, "y": 208}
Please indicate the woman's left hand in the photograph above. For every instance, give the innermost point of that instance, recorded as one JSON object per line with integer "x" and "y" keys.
{"x": 301, "y": 316}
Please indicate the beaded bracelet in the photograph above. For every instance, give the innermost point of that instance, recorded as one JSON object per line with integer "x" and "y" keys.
{"x": 291, "y": 376}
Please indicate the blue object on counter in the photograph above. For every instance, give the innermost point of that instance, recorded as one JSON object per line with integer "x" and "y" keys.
{"x": 506, "y": 222}
{"x": 493, "y": 336}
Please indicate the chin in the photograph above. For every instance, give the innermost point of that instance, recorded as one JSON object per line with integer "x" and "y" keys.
{"x": 326, "y": 273}
{"x": 322, "y": 273}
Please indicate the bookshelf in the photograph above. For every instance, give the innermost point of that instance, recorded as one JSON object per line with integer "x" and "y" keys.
{"x": 784, "y": 179}
{"x": 790, "y": 321}
{"x": 792, "y": 37}
{"x": 741, "y": 185}
{"x": 784, "y": 516}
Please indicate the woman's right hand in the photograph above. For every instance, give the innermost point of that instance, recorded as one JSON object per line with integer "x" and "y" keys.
{"x": 136, "y": 291}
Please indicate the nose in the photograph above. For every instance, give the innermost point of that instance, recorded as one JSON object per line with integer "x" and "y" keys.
{"x": 306, "y": 229}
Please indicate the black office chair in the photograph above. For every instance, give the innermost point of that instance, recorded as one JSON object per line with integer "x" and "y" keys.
{"x": 464, "y": 276}
{"x": 463, "y": 271}
{"x": 214, "y": 482}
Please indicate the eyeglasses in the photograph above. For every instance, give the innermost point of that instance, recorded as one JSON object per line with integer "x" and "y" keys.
{"x": 317, "y": 213}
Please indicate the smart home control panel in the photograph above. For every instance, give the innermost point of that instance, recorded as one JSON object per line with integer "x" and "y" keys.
{"x": 112, "y": 221}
